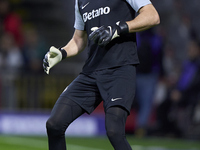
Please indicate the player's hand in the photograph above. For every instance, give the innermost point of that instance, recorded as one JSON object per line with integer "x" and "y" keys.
{"x": 53, "y": 57}
{"x": 103, "y": 35}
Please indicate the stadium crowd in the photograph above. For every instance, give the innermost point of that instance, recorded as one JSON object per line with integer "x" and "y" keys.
{"x": 173, "y": 91}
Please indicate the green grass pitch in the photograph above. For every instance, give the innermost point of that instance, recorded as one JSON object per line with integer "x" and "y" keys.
{"x": 95, "y": 143}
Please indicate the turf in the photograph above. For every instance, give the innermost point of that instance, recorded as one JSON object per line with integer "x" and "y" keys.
{"x": 96, "y": 143}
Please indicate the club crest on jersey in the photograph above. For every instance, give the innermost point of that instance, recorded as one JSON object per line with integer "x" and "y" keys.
{"x": 96, "y": 13}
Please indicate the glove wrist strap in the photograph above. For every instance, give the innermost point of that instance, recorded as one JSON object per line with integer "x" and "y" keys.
{"x": 123, "y": 28}
{"x": 63, "y": 52}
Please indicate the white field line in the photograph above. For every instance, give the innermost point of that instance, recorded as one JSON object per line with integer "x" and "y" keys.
{"x": 40, "y": 144}
{"x": 28, "y": 142}
{"x": 138, "y": 147}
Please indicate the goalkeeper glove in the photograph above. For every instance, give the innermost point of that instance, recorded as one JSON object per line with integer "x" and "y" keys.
{"x": 103, "y": 35}
{"x": 53, "y": 57}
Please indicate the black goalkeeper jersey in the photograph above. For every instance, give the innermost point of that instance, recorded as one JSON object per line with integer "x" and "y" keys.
{"x": 120, "y": 51}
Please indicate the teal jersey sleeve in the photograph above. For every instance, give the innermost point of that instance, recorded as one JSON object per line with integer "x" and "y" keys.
{"x": 137, "y": 4}
{"x": 79, "y": 24}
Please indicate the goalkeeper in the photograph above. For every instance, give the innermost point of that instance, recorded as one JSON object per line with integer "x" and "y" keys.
{"x": 107, "y": 29}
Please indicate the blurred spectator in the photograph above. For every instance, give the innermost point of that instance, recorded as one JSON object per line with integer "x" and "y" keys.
{"x": 148, "y": 72}
{"x": 33, "y": 50}
{"x": 10, "y": 63}
{"x": 171, "y": 64}
{"x": 11, "y": 58}
{"x": 176, "y": 114}
{"x": 10, "y": 22}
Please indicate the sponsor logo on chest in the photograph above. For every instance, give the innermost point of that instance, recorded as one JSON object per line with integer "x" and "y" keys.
{"x": 96, "y": 13}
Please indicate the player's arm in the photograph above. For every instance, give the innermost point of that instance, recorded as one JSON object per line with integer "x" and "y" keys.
{"x": 55, "y": 55}
{"x": 147, "y": 18}
{"x": 76, "y": 44}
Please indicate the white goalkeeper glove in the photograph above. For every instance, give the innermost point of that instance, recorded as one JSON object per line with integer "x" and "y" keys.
{"x": 103, "y": 35}
{"x": 53, "y": 57}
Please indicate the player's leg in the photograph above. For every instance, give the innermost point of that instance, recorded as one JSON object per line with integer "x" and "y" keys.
{"x": 117, "y": 88}
{"x": 85, "y": 96}
{"x": 115, "y": 127}
{"x": 63, "y": 113}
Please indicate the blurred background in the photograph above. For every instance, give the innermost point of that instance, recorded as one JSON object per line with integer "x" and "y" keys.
{"x": 167, "y": 102}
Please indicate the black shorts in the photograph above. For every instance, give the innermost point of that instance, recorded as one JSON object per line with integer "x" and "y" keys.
{"x": 115, "y": 86}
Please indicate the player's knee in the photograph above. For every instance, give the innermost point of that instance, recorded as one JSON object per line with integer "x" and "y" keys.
{"x": 111, "y": 134}
{"x": 53, "y": 128}
{"x": 114, "y": 129}
{"x": 115, "y": 123}
{"x": 114, "y": 134}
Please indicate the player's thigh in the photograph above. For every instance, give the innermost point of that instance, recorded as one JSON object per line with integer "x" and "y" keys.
{"x": 64, "y": 112}
{"x": 83, "y": 91}
{"x": 115, "y": 119}
{"x": 117, "y": 86}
